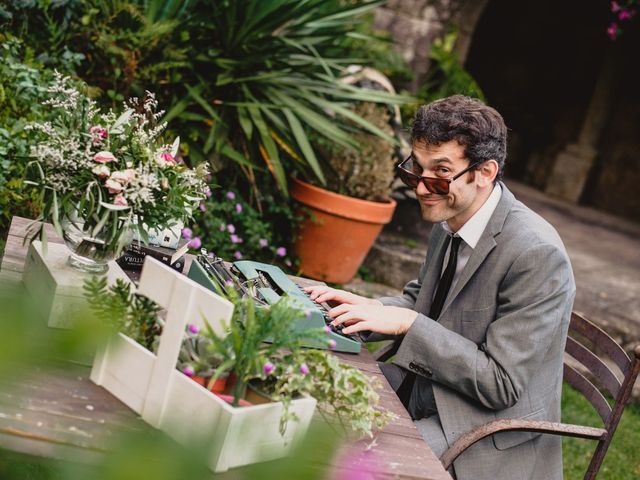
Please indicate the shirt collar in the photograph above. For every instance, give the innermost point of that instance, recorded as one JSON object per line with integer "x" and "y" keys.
{"x": 472, "y": 230}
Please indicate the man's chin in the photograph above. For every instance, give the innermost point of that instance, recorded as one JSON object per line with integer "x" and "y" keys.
{"x": 432, "y": 215}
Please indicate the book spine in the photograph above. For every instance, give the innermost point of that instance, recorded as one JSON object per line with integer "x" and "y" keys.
{"x": 132, "y": 260}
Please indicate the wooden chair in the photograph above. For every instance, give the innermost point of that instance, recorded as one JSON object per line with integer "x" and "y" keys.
{"x": 621, "y": 392}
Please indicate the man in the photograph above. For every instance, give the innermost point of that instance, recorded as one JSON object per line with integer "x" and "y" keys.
{"x": 482, "y": 329}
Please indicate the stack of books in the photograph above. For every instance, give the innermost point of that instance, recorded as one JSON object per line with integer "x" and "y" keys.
{"x": 134, "y": 254}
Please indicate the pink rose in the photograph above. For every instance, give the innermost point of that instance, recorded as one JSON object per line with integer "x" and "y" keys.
{"x": 120, "y": 200}
{"x": 98, "y": 134}
{"x": 113, "y": 186}
{"x": 101, "y": 171}
{"x": 104, "y": 157}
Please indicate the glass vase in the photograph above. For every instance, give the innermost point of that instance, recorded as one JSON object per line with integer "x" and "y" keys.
{"x": 92, "y": 253}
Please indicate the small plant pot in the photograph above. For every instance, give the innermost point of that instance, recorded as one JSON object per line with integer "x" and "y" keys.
{"x": 256, "y": 395}
{"x": 218, "y": 386}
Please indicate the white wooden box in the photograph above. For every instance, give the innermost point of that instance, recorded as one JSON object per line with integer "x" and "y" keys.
{"x": 55, "y": 285}
{"x": 152, "y": 386}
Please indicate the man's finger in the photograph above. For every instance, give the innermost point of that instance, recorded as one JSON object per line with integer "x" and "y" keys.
{"x": 357, "y": 327}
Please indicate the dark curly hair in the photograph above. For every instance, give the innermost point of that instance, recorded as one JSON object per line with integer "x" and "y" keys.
{"x": 476, "y": 126}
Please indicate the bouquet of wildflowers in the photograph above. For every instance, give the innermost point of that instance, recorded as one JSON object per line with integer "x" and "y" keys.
{"x": 110, "y": 175}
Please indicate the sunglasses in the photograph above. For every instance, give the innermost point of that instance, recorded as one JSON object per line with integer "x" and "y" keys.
{"x": 438, "y": 186}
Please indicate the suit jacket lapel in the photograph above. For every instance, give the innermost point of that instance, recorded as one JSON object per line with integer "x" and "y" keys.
{"x": 435, "y": 253}
{"x": 485, "y": 245}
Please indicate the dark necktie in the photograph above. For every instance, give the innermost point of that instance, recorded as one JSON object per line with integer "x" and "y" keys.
{"x": 406, "y": 387}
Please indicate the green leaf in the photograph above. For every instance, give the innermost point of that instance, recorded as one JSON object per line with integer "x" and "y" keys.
{"x": 303, "y": 142}
{"x": 270, "y": 147}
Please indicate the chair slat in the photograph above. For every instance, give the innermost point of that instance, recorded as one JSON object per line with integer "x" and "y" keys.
{"x": 601, "y": 340}
{"x": 595, "y": 365}
{"x": 591, "y": 393}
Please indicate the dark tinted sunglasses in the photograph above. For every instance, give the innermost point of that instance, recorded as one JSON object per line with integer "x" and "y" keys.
{"x": 438, "y": 186}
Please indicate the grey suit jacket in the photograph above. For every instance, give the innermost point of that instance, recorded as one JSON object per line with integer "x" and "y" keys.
{"x": 497, "y": 349}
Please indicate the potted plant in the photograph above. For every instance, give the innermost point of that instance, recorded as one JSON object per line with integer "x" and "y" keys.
{"x": 350, "y": 212}
{"x": 105, "y": 178}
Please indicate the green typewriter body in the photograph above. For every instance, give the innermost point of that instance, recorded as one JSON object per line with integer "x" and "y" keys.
{"x": 266, "y": 284}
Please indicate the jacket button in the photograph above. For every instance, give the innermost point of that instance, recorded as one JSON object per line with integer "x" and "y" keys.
{"x": 413, "y": 366}
{"x": 428, "y": 372}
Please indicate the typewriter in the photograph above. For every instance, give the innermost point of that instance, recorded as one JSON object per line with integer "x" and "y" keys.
{"x": 266, "y": 284}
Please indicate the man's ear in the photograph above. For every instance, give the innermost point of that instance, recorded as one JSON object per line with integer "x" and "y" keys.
{"x": 487, "y": 172}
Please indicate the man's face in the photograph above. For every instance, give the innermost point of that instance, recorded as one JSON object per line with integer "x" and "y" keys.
{"x": 445, "y": 161}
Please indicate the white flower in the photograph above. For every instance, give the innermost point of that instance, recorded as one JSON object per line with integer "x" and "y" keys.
{"x": 101, "y": 171}
{"x": 120, "y": 200}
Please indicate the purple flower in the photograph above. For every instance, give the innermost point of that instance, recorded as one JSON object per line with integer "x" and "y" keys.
{"x": 229, "y": 283}
{"x": 231, "y": 195}
{"x": 287, "y": 262}
{"x": 207, "y": 191}
{"x": 187, "y": 233}
{"x": 193, "y": 328}
{"x": 332, "y": 344}
{"x": 211, "y": 255}
{"x": 235, "y": 239}
{"x": 615, "y": 7}
{"x": 223, "y": 227}
{"x": 624, "y": 15}
{"x": 238, "y": 208}
{"x": 612, "y": 31}
{"x": 195, "y": 243}
{"x": 203, "y": 207}
{"x": 189, "y": 371}
{"x": 327, "y": 329}
{"x": 268, "y": 368}
{"x": 237, "y": 255}
{"x": 263, "y": 242}
{"x": 231, "y": 228}
{"x": 304, "y": 369}
{"x": 281, "y": 251}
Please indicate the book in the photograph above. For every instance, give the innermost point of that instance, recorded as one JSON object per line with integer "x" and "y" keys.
{"x": 134, "y": 255}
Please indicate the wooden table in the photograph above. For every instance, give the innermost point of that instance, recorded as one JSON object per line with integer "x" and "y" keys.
{"x": 69, "y": 417}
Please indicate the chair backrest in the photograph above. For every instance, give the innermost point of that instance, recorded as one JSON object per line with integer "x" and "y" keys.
{"x": 584, "y": 337}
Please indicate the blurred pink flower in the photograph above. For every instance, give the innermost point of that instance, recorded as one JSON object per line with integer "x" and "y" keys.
{"x": 202, "y": 207}
{"x": 193, "y": 328}
{"x": 231, "y": 228}
{"x": 263, "y": 242}
{"x": 120, "y": 200}
{"x": 237, "y": 255}
{"x": 281, "y": 251}
{"x": 238, "y": 208}
{"x": 102, "y": 171}
{"x": 625, "y": 15}
{"x": 195, "y": 243}
{"x": 113, "y": 186}
{"x": 612, "y": 31}
{"x": 104, "y": 157}
{"x": 235, "y": 239}
{"x": 188, "y": 371}
{"x": 615, "y": 7}
{"x": 304, "y": 369}
{"x": 230, "y": 195}
{"x": 167, "y": 157}
{"x": 187, "y": 233}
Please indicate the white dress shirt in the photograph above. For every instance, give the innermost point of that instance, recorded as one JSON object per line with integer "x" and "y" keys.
{"x": 471, "y": 232}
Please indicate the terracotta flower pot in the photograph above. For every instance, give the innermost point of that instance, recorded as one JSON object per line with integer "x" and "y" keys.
{"x": 333, "y": 245}
{"x": 218, "y": 386}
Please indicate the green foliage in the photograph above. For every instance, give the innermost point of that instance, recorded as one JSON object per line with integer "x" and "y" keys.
{"x": 621, "y": 461}
{"x": 346, "y": 397}
{"x": 233, "y": 229}
{"x": 243, "y": 347}
{"x": 22, "y": 89}
{"x": 265, "y": 79}
{"x": 447, "y": 76}
{"x": 129, "y": 313}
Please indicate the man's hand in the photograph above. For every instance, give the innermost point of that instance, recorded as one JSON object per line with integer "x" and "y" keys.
{"x": 323, "y": 293}
{"x": 375, "y": 318}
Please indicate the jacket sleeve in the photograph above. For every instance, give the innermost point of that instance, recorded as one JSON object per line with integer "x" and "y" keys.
{"x": 534, "y": 298}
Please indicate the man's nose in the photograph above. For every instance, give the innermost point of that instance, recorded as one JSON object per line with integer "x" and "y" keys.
{"x": 421, "y": 189}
